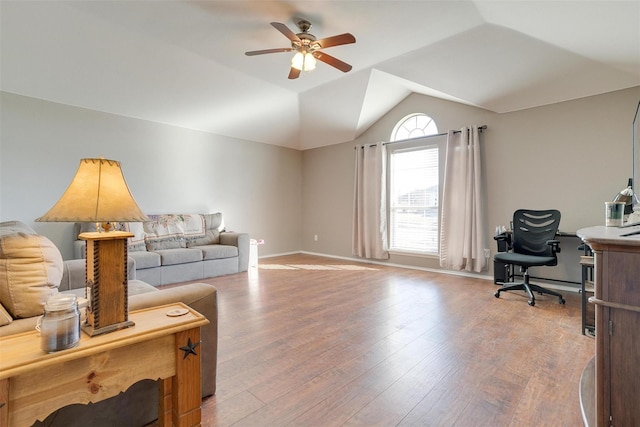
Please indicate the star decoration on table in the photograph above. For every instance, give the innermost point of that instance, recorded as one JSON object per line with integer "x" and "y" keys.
{"x": 190, "y": 348}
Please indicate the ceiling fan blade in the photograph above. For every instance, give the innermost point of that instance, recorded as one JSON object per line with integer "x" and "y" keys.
{"x": 286, "y": 31}
{"x": 338, "y": 40}
{"x": 334, "y": 62}
{"x": 262, "y": 52}
{"x": 294, "y": 73}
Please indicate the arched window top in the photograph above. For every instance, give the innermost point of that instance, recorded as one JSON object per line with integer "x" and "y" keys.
{"x": 414, "y": 126}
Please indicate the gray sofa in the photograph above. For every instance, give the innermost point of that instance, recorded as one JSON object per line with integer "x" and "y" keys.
{"x": 172, "y": 248}
{"x": 137, "y": 406}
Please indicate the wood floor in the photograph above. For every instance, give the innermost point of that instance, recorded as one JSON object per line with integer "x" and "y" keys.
{"x": 311, "y": 341}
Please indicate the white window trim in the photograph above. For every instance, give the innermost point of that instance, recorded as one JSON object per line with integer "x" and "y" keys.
{"x": 401, "y": 124}
{"x": 409, "y": 145}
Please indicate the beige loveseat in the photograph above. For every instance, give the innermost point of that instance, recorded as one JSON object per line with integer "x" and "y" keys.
{"x": 31, "y": 270}
{"x": 172, "y": 248}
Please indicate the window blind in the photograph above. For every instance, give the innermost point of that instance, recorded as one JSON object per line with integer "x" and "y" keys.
{"x": 414, "y": 190}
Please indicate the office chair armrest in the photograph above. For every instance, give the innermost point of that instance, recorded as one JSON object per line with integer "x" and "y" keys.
{"x": 503, "y": 236}
{"x": 555, "y": 245}
{"x": 504, "y": 242}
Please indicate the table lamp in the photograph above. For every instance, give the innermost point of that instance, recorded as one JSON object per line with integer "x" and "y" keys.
{"x": 99, "y": 193}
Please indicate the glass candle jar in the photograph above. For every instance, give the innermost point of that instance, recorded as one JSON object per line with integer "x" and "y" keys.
{"x": 60, "y": 325}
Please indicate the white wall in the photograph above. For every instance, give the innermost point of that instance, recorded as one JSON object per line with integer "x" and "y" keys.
{"x": 256, "y": 186}
{"x": 572, "y": 156}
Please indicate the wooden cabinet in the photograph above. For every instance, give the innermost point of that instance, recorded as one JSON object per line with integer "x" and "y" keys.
{"x": 163, "y": 344}
{"x": 586, "y": 291}
{"x": 617, "y": 318}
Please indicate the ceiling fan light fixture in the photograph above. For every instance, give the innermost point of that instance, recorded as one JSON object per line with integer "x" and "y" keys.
{"x": 303, "y": 61}
{"x": 309, "y": 62}
{"x": 308, "y": 50}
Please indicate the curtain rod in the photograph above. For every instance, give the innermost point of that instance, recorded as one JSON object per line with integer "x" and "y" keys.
{"x": 480, "y": 129}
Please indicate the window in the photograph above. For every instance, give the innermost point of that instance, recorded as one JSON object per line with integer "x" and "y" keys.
{"x": 414, "y": 126}
{"x": 414, "y": 188}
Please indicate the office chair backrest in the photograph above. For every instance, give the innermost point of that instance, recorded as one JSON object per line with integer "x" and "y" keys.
{"x": 532, "y": 229}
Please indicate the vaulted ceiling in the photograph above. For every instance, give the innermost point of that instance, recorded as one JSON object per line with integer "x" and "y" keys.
{"x": 183, "y": 62}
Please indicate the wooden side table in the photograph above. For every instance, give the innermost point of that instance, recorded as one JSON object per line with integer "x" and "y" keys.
{"x": 162, "y": 345}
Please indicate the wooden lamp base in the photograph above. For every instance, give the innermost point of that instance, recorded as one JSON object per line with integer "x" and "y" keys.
{"x": 107, "y": 282}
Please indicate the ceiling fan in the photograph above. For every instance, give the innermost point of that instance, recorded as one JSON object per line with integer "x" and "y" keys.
{"x": 308, "y": 48}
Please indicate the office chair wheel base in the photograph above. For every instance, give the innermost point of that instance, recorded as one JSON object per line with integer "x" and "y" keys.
{"x": 497, "y": 295}
{"x": 561, "y": 300}
{"x": 531, "y": 303}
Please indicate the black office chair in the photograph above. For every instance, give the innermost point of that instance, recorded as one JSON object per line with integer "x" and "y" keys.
{"x": 532, "y": 245}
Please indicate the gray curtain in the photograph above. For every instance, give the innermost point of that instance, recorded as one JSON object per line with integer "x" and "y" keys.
{"x": 462, "y": 231}
{"x": 369, "y": 238}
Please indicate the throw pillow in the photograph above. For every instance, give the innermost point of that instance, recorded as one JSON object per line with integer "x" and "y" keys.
{"x": 5, "y": 317}
{"x": 30, "y": 271}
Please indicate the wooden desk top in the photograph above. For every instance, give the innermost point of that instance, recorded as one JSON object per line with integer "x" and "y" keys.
{"x": 610, "y": 235}
{"x": 22, "y": 352}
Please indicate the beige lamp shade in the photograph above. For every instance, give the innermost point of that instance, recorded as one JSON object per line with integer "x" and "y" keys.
{"x": 98, "y": 193}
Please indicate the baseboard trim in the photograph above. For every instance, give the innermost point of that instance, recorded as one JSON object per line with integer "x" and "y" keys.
{"x": 550, "y": 285}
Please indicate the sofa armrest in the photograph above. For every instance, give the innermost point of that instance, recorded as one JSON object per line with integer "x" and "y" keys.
{"x": 241, "y": 240}
{"x": 201, "y": 297}
{"x": 74, "y": 273}
{"x": 79, "y": 249}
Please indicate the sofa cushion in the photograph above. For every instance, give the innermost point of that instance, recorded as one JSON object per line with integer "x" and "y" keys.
{"x": 145, "y": 259}
{"x": 30, "y": 270}
{"x": 214, "y": 221}
{"x": 163, "y": 232}
{"x": 218, "y": 251}
{"x": 169, "y": 243}
{"x": 179, "y": 256}
{"x": 134, "y": 287}
{"x": 211, "y": 237}
{"x": 137, "y": 242}
{"x": 214, "y": 225}
{"x": 170, "y": 231}
{"x": 138, "y": 287}
{"x": 5, "y": 317}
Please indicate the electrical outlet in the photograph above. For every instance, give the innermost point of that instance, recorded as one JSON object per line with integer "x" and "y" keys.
{"x": 487, "y": 253}
{"x": 315, "y": 237}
